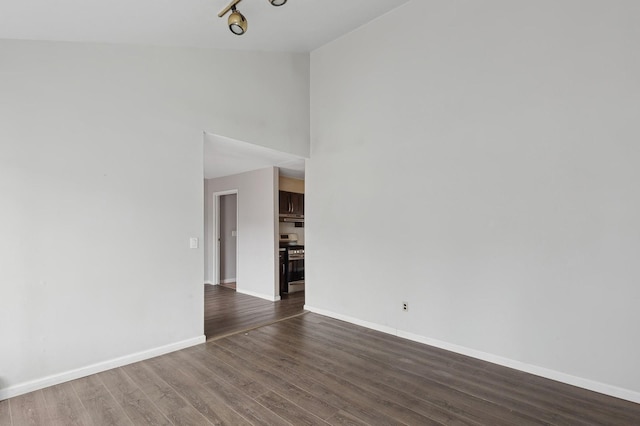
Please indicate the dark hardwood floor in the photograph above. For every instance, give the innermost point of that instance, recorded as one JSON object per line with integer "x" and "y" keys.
{"x": 226, "y": 311}
{"x": 313, "y": 370}
{"x": 232, "y": 286}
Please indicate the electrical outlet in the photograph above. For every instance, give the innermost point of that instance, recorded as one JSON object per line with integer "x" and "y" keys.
{"x": 405, "y": 306}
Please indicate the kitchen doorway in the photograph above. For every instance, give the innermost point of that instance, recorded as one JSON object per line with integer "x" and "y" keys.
{"x": 251, "y": 173}
{"x": 226, "y": 310}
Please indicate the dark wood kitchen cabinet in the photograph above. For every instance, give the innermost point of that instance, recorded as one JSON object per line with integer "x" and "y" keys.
{"x": 291, "y": 203}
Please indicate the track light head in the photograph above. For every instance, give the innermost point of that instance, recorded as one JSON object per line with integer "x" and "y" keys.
{"x": 237, "y": 22}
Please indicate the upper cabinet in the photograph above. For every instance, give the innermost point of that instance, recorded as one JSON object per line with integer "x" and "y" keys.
{"x": 291, "y": 204}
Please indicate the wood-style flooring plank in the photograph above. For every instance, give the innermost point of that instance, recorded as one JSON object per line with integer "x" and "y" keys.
{"x": 198, "y": 396}
{"x": 277, "y": 382}
{"x": 315, "y": 384}
{"x": 29, "y": 409}
{"x": 168, "y": 401}
{"x": 288, "y": 410}
{"x": 198, "y": 362}
{"x": 342, "y": 418}
{"x": 218, "y": 371}
{"x": 99, "y": 403}
{"x": 5, "y": 414}
{"x": 136, "y": 405}
{"x": 64, "y": 406}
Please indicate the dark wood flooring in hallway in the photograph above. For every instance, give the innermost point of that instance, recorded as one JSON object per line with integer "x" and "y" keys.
{"x": 227, "y": 311}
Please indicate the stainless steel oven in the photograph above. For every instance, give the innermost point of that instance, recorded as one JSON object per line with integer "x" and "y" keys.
{"x": 291, "y": 264}
{"x": 295, "y": 269}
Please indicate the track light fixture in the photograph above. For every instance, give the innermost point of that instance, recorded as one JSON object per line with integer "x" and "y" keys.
{"x": 236, "y": 21}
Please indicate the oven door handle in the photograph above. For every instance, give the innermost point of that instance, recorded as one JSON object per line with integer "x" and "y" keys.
{"x": 296, "y": 257}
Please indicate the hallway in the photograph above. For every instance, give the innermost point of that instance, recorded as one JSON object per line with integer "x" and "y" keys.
{"x": 227, "y": 311}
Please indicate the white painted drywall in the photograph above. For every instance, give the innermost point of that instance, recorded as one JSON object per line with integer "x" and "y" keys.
{"x": 228, "y": 226}
{"x": 257, "y": 264}
{"x": 101, "y": 187}
{"x": 480, "y": 161}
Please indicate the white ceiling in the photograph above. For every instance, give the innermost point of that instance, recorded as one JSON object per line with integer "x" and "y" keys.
{"x": 298, "y": 26}
{"x": 225, "y": 156}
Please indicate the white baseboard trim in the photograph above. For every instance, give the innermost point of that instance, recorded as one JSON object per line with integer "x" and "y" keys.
{"x": 352, "y": 320}
{"x": 99, "y": 367}
{"x": 227, "y": 281}
{"x": 558, "y": 376}
{"x": 260, "y": 295}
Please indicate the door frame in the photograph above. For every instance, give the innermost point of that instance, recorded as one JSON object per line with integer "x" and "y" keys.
{"x": 216, "y": 234}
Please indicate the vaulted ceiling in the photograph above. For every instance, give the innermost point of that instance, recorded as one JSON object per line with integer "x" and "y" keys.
{"x": 298, "y": 26}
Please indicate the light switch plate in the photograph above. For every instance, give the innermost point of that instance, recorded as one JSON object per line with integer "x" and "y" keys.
{"x": 234, "y": 233}
{"x": 193, "y": 242}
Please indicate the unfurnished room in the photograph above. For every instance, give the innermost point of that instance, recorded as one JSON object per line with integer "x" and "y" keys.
{"x": 288, "y": 212}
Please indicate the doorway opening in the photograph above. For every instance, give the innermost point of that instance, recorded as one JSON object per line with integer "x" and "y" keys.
{"x": 241, "y": 249}
{"x": 227, "y": 231}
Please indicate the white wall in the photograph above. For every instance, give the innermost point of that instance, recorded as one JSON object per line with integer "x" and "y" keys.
{"x": 101, "y": 186}
{"x": 504, "y": 135}
{"x": 257, "y": 264}
{"x": 228, "y": 225}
